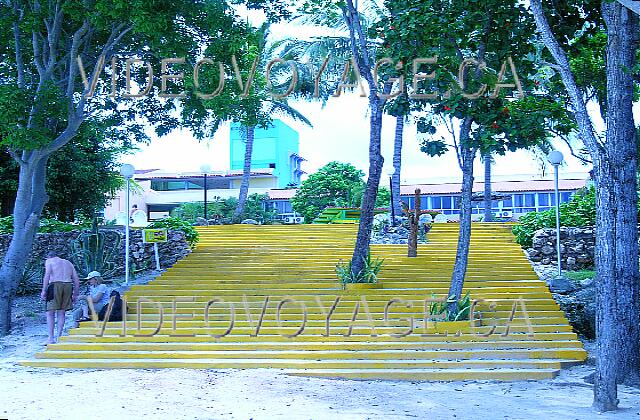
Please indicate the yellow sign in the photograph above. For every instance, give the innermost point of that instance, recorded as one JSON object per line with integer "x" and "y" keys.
{"x": 153, "y": 236}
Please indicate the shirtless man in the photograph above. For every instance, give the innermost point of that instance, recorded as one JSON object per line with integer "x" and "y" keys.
{"x": 63, "y": 277}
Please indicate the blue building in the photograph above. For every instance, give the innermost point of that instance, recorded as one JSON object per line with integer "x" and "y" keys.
{"x": 275, "y": 148}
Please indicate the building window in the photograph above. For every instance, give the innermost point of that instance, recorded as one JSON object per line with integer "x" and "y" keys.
{"x": 565, "y": 196}
{"x": 168, "y": 185}
{"x": 543, "y": 199}
{"x": 530, "y": 200}
{"x": 197, "y": 185}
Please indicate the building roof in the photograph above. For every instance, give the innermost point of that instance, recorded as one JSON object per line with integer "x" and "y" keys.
{"x": 156, "y": 174}
{"x": 454, "y": 188}
{"x": 498, "y": 187}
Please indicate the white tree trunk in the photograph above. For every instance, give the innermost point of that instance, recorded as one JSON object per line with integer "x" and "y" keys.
{"x": 30, "y": 201}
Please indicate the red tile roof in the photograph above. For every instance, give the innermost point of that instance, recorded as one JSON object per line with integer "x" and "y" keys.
{"x": 149, "y": 175}
{"x": 497, "y": 187}
{"x": 501, "y": 186}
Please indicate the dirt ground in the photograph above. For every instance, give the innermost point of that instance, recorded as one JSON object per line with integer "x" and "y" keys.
{"x": 38, "y": 393}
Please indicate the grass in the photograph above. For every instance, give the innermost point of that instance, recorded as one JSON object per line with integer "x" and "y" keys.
{"x": 580, "y": 275}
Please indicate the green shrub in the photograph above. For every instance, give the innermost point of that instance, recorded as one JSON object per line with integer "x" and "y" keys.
{"x": 368, "y": 274}
{"x": 189, "y": 212}
{"x": 580, "y": 275}
{"x": 6, "y": 225}
{"x": 580, "y": 211}
{"x": 223, "y": 209}
{"x": 441, "y": 307}
{"x": 174, "y": 223}
{"x": 53, "y": 225}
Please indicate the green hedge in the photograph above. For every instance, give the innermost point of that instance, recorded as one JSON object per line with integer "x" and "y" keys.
{"x": 46, "y": 226}
{"x": 580, "y": 211}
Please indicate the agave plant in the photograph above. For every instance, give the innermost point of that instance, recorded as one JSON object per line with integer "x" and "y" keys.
{"x": 368, "y": 274}
{"x": 96, "y": 250}
{"x": 463, "y": 308}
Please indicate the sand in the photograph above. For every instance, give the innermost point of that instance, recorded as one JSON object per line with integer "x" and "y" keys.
{"x": 39, "y": 393}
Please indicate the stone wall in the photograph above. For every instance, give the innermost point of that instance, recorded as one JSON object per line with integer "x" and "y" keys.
{"x": 142, "y": 255}
{"x": 576, "y": 246}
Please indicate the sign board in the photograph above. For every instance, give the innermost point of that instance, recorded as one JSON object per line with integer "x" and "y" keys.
{"x": 154, "y": 236}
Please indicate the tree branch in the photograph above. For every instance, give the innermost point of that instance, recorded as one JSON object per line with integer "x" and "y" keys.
{"x": 577, "y": 98}
{"x": 632, "y": 5}
{"x": 16, "y": 35}
{"x": 364, "y": 61}
{"x": 571, "y": 150}
{"x": 53, "y": 37}
{"x": 73, "y": 67}
{"x": 15, "y": 156}
{"x": 37, "y": 54}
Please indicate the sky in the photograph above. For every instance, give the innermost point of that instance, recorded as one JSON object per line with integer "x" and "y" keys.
{"x": 341, "y": 132}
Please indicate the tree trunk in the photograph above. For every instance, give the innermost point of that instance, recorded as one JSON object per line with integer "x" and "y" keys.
{"x": 397, "y": 165}
{"x": 359, "y": 49}
{"x": 246, "y": 173}
{"x": 488, "y": 214}
{"x": 361, "y": 250}
{"x": 618, "y": 294}
{"x": 30, "y": 200}
{"x": 467, "y": 156}
{"x": 414, "y": 220}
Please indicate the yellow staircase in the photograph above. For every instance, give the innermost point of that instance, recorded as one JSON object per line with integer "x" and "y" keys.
{"x": 262, "y": 269}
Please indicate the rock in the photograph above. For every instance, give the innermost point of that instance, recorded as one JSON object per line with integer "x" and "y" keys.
{"x": 546, "y": 261}
{"x": 548, "y": 250}
{"x": 249, "y": 222}
{"x": 580, "y": 308}
{"x": 425, "y": 219}
{"x": 588, "y": 283}
{"x": 532, "y": 252}
{"x": 561, "y": 285}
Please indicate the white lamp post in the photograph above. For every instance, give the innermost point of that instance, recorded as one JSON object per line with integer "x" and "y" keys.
{"x": 206, "y": 168}
{"x": 127, "y": 171}
{"x": 556, "y": 158}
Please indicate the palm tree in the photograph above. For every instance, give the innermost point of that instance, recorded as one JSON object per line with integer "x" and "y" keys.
{"x": 263, "y": 107}
{"x": 269, "y": 107}
{"x": 488, "y": 202}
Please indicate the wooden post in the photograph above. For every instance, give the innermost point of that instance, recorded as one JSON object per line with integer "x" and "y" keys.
{"x": 414, "y": 222}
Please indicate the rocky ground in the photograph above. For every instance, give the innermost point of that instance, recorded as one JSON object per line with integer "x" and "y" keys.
{"x": 576, "y": 298}
{"x": 384, "y": 233}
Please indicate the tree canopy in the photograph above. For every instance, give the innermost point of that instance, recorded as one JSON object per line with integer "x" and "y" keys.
{"x": 331, "y": 185}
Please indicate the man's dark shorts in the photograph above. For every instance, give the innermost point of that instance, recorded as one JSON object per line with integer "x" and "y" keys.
{"x": 62, "y": 297}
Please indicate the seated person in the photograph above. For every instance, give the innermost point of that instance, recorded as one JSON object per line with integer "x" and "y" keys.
{"x": 98, "y": 295}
